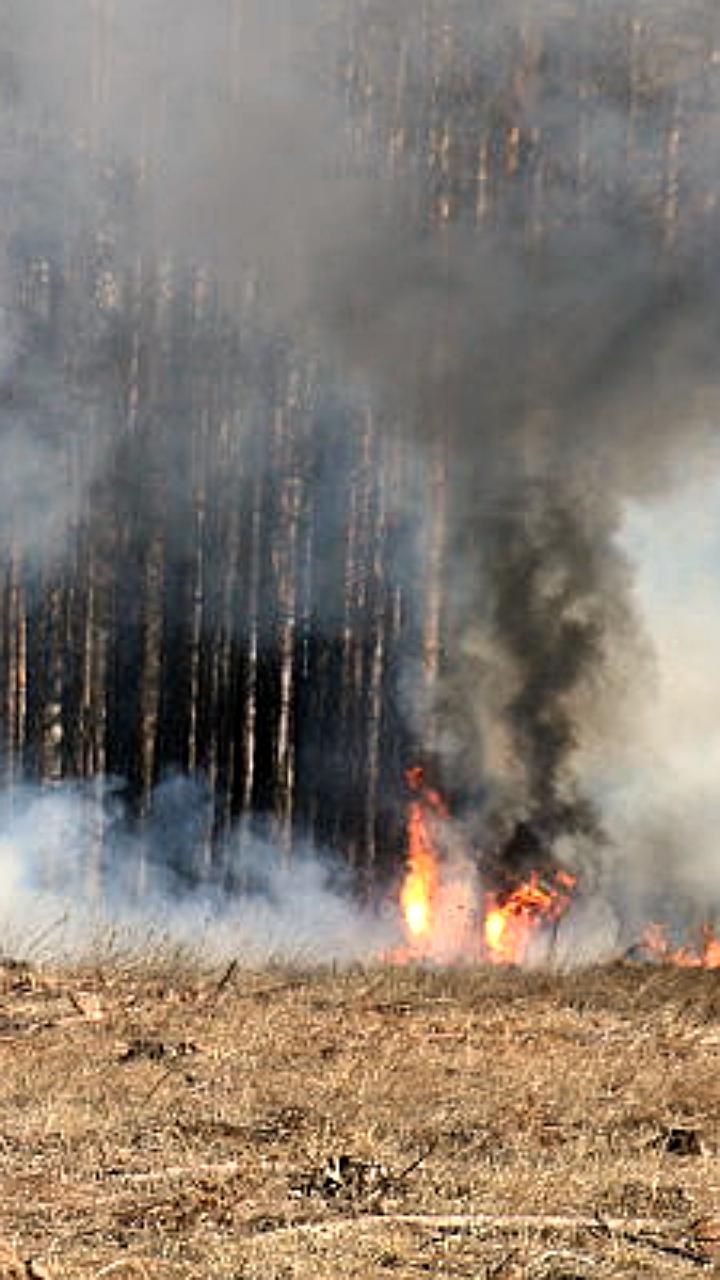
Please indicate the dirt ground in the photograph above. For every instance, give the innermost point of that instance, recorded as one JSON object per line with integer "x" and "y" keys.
{"x": 159, "y": 1121}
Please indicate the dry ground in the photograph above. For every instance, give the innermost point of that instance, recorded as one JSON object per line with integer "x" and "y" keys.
{"x": 394, "y": 1123}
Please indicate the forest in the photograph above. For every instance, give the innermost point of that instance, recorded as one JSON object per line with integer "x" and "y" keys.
{"x": 294, "y": 306}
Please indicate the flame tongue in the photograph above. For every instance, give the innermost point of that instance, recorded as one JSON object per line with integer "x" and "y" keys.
{"x": 421, "y": 885}
{"x": 511, "y": 921}
{"x": 421, "y": 882}
{"x": 704, "y": 956}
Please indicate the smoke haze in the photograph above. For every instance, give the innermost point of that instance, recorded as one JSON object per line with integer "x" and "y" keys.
{"x": 74, "y": 879}
{"x": 660, "y": 794}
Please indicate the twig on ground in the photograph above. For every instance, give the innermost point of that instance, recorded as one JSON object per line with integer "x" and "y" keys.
{"x": 635, "y": 1234}
{"x": 396, "y": 1178}
{"x": 254, "y": 993}
{"x": 225, "y": 980}
{"x": 501, "y": 1222}
{"x": 500, "y": 1267}
{"x": 128, "y": 1263}
{"x": 225, "y": 1169}
{"x": 157, "y": 1086}
{"x": 565, "y": 1256}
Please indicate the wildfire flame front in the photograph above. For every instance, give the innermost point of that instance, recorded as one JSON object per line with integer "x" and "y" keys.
{"x": 511, "y": 922}
{"x": 507, "y": 923}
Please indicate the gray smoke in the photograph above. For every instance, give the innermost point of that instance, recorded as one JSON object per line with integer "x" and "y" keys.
{"x": 560, "y": 346}
{"x": 565, "y": 353}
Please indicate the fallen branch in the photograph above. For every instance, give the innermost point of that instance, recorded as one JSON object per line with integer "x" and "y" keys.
{"x": 252, "y": 993}
{"x": 633, "y": 1235}
{"x": 395, "y": 1179}
{"x": 494, "y": 1221}
{"x": 535, "y": 1221}
{"x": 667, "y": 1247}
{"x": 173, "y": 1173}
{"x": 225, "y": 980}
{"x": 123, "y": 1264}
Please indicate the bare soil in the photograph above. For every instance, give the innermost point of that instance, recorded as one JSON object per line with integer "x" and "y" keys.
{"x": 160, "y": 1121}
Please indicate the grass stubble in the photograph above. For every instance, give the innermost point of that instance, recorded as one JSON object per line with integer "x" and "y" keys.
{"x": 161, "y": 1120}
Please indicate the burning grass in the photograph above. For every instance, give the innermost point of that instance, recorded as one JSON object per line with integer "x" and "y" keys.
{"x": 169, "y": 1122}
{"x": 516, "y": 921}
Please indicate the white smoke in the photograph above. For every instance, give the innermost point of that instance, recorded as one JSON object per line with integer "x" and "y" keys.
{"x": 75, "y": 880}
{"x": 658, "y": 788}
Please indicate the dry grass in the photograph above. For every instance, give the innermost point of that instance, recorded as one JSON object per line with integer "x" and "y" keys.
{"x": 388, "y": 1123}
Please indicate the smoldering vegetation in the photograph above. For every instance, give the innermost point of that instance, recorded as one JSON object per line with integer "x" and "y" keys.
{"x": 337, "y": 339}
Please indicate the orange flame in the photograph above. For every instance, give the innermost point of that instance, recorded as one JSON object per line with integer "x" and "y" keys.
{"x": 420, "y": 887}
{"x": 440, "y": 917}
{"x": 705, "y": 956}
{"x": 511, "y": 921}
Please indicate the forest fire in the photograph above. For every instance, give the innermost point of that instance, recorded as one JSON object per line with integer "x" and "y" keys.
{"x": 704, "y": 956}
{"x": 512, "y": 919}
{"x": 500, "y": 928}
{"x": 419, "y": 893}
{"x": 447, "y": 917}
{"x": 385, "y": 452}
